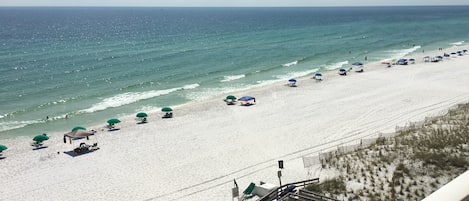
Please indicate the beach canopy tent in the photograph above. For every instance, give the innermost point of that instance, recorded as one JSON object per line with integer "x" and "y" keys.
{"x": 77, "y": 134}
{"x": 40, "y": 138}
{"x": 412, "y": 60}
{"x": 78, "y": 128}
{"x": 141, "y": 114}
{"x": 3, "y": 148}
{"x": 342, "y": 71}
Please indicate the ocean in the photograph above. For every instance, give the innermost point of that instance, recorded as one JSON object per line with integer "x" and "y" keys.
{"x": 82, "y": 66}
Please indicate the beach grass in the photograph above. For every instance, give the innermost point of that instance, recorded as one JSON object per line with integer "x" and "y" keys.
{"x": 421, "y": 158}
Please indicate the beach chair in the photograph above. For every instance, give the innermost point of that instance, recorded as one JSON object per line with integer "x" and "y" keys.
{"x": 36, "y": 144}
{"x": 168, "y": 115}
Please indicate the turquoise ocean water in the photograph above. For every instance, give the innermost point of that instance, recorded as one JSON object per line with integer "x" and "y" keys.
{"x": 92, "y": 64}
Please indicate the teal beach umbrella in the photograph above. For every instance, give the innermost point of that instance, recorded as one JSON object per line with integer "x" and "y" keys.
{"x": 78, "y": 128}
{"x": 166, "y": 109}
{"x": 142, "y": 114}
{"x": 113, "y": 121}
{"x": 40, "y": 138}
{"x": 3, "y": 148}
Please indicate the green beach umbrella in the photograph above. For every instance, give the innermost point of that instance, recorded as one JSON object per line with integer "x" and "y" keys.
{"x": 78, "y": 128}
{"x": 166, "y": 109}
{"x": 113, "y": 121}
{"x": 230, "y": 97}
{"x": 3, "y": 148}
{"x": 142, "y": 114}
{"x": 40, "y": 138}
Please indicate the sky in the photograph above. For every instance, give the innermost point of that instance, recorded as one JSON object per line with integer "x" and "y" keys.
{"x": 228, "y": 3}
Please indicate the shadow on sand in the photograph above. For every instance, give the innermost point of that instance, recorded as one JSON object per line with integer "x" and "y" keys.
{"x": 38, "y": 148}
{"x": 74, "y": 154}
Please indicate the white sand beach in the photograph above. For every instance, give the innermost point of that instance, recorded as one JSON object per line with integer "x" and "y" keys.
{"x": 197, "y": 154}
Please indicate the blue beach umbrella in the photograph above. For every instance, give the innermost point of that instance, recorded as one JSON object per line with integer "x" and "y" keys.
{"x": 318, "y": 74}
{"x": 453, "y": 53}
{"x": 247, "y": 98}
{"x": 446, "y": 55}
{"x": 439, "y": 57}
{"x": 464, "y": 51}
{"x": 291, "y": 80}
{"x": 357, "y": 64}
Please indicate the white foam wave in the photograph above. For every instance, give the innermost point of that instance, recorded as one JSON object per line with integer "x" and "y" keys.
{"x": 297, "y": 74}
{"x": 132, "y": 97}
{"x": 336, "y": 65}
{"x": 290, "y": 64}
{"x": 232, "y": 77}
{"x": 457, "y": 43}
{"x": 10, "y": 125}
{"x": 395, "y": 54}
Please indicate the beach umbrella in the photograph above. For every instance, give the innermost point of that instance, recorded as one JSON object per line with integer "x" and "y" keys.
{"x": 291, "y": 80}
{"x": 166, "y": 109}
{"x": 113, "y": 121}
{"x": 453, "y": 53}
{"x": 318, "y": 74}
{"x": 78, "y": 128}
{"x": 230, "y": 97}
{"x": 3, "y": 148}
{"x": 247, "y": 98}
{"x": 357, "y": 64}
{"x": 40, "y": 138}
{"x": 464, "y": 51}
{"x": 446, "y": 55}
{"x": 142, "y": 114}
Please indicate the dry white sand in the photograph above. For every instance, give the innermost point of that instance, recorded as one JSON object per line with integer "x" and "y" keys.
{"x": 197, "y": 154}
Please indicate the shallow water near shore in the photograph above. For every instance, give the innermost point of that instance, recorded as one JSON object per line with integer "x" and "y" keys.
{"x": 82, "y": 66}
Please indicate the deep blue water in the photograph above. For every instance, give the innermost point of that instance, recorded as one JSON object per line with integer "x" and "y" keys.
{"x": 95, "y": 63}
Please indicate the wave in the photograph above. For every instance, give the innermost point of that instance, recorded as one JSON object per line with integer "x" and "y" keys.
{"x": 336, "y": 65}
{"x": 10, "y": 125}
{"x": 132, "y": 97}
{"x": 297, "y": 74}
{"x": 290, "y": 64}
{"x": 403, "y": 52}
{"x": 457, "y": 43}
{"x": 232, "y": 77}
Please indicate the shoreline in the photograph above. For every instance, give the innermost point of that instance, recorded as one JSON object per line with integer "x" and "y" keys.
{"x": 197, "y": 154}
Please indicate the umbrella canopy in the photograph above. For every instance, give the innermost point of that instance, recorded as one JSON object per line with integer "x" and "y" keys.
{"x": 446, "y": 55}
{"x": 439, "y": 57}
{"x": 166, "y": 109}
{"x": 342, "y": 70}
{"x": 453, "y": 52}
{"x": 464, "y": 51}
{"x": 40, "y": 138}
{"x": 3, "y": 148}
{"x": 291, "y": 80}
{"x": 246, "y": 98}
{"x": 230, "y": 97}
{"x": 113, "y": 121}
{"x": 357, "y": 63}
{"x": 317, "y": 74}
{"x": 411, "y": 59}
{"x": 141, "y": 114}
{"x": 78, "y": 128}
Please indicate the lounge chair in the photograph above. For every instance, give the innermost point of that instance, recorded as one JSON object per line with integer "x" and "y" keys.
{"x": 168, "y": 115}
{"x": 36, "y": 144}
